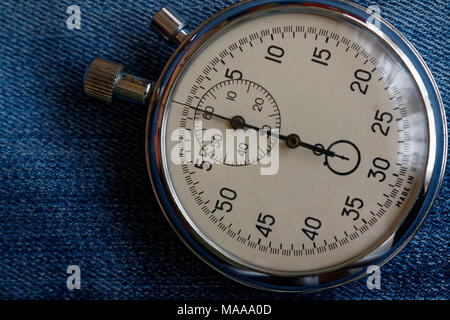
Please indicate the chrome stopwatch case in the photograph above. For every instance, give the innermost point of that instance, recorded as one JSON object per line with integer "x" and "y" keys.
{"x": 291, "y": 144}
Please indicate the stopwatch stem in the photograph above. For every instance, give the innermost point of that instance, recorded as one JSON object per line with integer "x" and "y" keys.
{"x": 170, "y": 25}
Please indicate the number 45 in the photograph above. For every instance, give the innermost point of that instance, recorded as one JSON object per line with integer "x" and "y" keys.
{"x": 263, "y": 224}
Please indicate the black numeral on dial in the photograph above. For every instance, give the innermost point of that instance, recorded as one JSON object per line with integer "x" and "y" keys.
{"x": 242, "y": 149}
{"x": 321, "y": 56}
{"x": 233, "y": 74}
{"x": 207, "y": 115}
{"x": 275, "y": 54}
{"x": 381, "y": 121}
{"x": 362, "y": 77}
{"x": 311, "y": 225}
{"x": 204, "y": 165}
{"x": 352, "y": 206}
{"x": 228, "y": 194}
{"x": 263, "y": 224}
{"x": 258, "y": 106}
{"x": 383, "y": 165}
{"x": 231, "y": 95}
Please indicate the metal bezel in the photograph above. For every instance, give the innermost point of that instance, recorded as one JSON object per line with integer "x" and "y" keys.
{"x": 379, "y": 256}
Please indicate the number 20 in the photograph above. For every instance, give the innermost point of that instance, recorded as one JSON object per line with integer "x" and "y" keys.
{"x": 362, "y": 76}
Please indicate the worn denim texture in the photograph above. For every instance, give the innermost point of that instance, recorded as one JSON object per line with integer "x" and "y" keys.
{"x": 73, "y": 182}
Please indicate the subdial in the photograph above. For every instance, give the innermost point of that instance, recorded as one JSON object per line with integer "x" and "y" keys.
{"x": 221, "y": 122}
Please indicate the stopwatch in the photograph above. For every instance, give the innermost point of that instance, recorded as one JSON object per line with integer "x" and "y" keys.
{"x": 290, "y": 144}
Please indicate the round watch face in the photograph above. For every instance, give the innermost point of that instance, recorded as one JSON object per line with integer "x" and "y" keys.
{"x": 294, "y": 141}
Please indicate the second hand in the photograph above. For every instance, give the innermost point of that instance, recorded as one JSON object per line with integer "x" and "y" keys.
{"x": 292, "y": 140}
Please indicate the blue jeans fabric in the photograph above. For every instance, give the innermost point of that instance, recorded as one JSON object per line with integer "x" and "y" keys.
{"x": 73, "y": 182}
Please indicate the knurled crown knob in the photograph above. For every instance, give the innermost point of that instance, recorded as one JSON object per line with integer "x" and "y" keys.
{"x": 105, "y": 79}
{"x": 101, "y": 79}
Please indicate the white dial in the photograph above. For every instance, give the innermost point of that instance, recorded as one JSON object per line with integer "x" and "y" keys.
{"x": 349, "y": 124}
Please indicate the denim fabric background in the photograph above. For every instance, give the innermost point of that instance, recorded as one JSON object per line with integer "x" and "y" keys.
{"x": 73, "y": 182}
